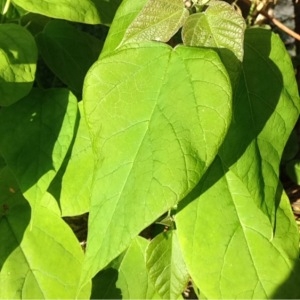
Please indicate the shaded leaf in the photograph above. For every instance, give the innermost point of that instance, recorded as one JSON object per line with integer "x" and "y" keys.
{"x": 18, "y": 56}
{"x": 40, "y": 261}
{"x": 228, "y": 243}
{"x": 219, "y": 26}
{"x": 35, "y": 135}
{"x": 72, "y": 184}
{"x": 166, "y": 266}
{"x": 152, "y": 139}
{"x": 68, "y": 52}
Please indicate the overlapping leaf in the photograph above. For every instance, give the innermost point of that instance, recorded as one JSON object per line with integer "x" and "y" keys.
{"x": 153, "y": 139}
{"x": 18, "y": 56}
{"x": 166, "y": 266}
{"x": 73, "y": 192}
{"x": 227, "y": 231}
{"x": 68, "y": 52}
{"x": 35, "y": 135}
{"x": 38, "y": 261}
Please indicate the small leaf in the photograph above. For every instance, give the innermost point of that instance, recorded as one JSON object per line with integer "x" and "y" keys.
{"x": 73, "y": 192}
{"x": 166, "y": 266}
{"x": 152, "y": 139}
{"x": 18, "y": 56}
{"x": 220, "y": 26}
{"x": 40, "y": 261}
{"x": 125, "y": 15}
{"x": 159, "y": 20}
{"x": 35, "y": 135}
{"x": 68, "y": 52}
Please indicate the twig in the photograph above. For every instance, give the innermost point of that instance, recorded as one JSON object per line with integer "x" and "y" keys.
{"x": 276, "y": 22}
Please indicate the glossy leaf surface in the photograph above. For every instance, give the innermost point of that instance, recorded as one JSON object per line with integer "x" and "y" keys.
{"x": 152, "y": 140}
{"x": 18, "y": 56}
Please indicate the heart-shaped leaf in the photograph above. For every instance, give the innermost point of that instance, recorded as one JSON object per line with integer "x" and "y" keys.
{"x": 153, "y": 139}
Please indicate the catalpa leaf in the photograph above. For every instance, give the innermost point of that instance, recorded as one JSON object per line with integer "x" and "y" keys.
{"x": 35, "y": 134}
{"x": 166, "y": 266}
{"x": 262, "y": 114}
{"x": 68, "y": 52}
{"x": 153, "y": 139}
{"x": 18, "y": 56}
{"x": 219, "y": 26}
{"x": 42, "y": 261}
{"x": 229, "y": 245}
{"x": 159, "y": 20}
{"x": 73, "y": 192}
{"x": 83, "y": 11}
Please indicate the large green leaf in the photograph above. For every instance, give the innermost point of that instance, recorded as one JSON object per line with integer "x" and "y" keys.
{"x": 266, "y": 108}
{"x": 35, "y": 135}
{"x": 42, "y": 261}
{"x": 229, "y": 245}
{"x": 82, "y": 11}
{"x": 166, "y": 266}
{"x": 153, "y": 139}
{"x": 231, "y": 215}
{"x": 72, "y": 184}
{"x": 219, "y": 26}
{"x": 18, "y": 56}
{"x": 68, "y": 52}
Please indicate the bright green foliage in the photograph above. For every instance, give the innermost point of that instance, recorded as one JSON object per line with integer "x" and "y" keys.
{"x": 18, "y": 57}
{"x": 184, "y": 119}
{"x": 35, "y": 135}
{"x": 166, "y": 265}
{"x": 136, "y": 148}
{"x": 42, "y": 260}
{"x": 68, "y": 52}
{"x": 83, "y": 11}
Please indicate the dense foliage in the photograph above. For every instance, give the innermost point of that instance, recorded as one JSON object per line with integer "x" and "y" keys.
{"x": 178, "y": 115}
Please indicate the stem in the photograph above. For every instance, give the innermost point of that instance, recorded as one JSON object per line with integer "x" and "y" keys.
{"x": 277, "y": 22}
{"x": 6, "y": 7}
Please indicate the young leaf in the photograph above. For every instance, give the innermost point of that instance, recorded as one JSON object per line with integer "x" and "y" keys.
{"x": 125, "y": 15}
{"x": 152, "y": 139}
{"x": 35, "y": 134}
{"x": 220, "y": 26}
{"x": 68, "y": 52}
{"x": 43, "y": 261}
{"x": 266, "y": 107}
{"x": 166, "y": 266}
{"x": 83, "y": 11}
{"x": 228, "y": 243}
{"x": 159, "y": 20}
{"x": 73, "y": 192}
{"x": 18, "y": 56}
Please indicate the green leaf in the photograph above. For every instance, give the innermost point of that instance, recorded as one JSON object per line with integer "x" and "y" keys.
{"x": 83, "y": 11}
{"x": 166, "y": 266}
{"x": 72, "y": 184}
{"x": 40, "y": 261}
{"x": 18, "y": 56}
{"x": 159, "y": 20}
{"x": 293, "y": 170}
{"x": 230, "y": 247}
{"x": 35, "y": 135}
{"x": 68, "y": 52}
{"x": 264, "y": 116}
{"x": 220, "y": 26}
{"x": 107, "y": 9}
{"x": 152, "y": 139}
{"x": 125, "y": 15}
